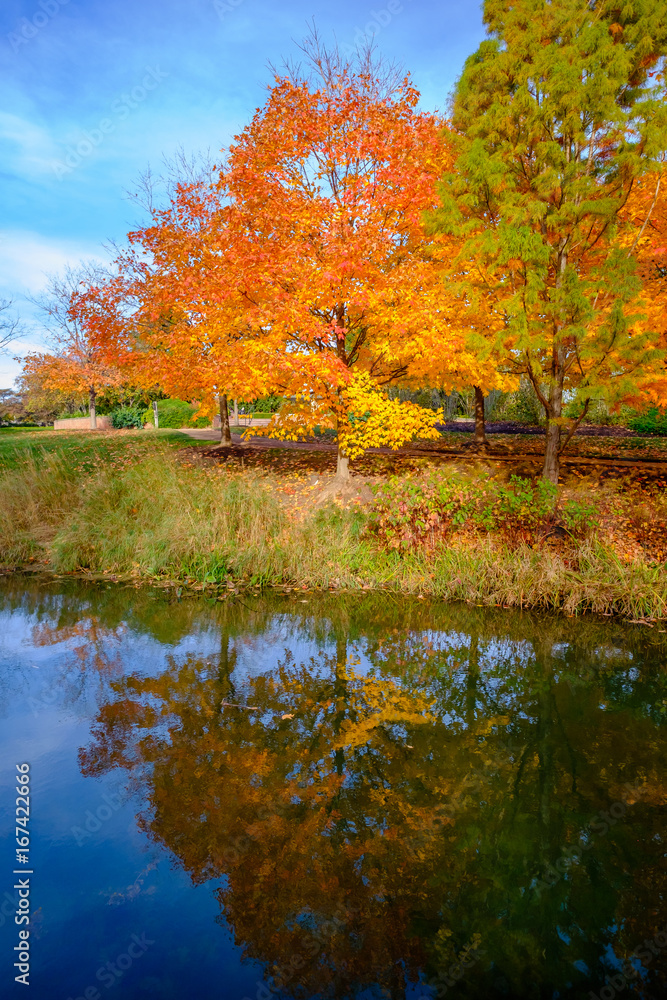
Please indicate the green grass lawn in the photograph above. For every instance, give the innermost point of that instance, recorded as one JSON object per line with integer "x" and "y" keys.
{"x": 80, "y": 448}
{"x": 7, "y": 432}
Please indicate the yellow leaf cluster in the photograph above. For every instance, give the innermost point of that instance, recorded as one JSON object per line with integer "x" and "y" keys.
{"x": 376, "y": 421}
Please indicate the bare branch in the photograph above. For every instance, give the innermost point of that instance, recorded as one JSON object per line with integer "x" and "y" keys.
{"x": 152, "y": 191}
{"x": 55, "y": 302}
{"x": 326, "y": 66}
{"x": 10, "y": 325}
{"x": 536, "y": 385}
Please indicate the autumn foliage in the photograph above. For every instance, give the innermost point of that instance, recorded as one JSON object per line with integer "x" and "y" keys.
{"x": 306, "y": 268}
{"x": 645, "y": 215}
{"x": 349, "y": 242}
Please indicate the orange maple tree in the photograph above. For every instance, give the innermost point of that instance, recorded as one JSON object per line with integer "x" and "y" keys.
{"x": 306, "y": 269}
{"x": 329, "y": 184}
{"x": 645, "y": 216}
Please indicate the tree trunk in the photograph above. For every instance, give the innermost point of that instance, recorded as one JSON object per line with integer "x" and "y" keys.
{"x": 554, "y": 409}
{"x": 554, "y": 412}
{"x": 341, "y": 696}
{"x": 225, "y": 433}
{"x": 236, "y": 412}
{"x": 93, "y": 412}
{"x": 342, "y": 462}
{"x": 472, "y": 679}
{"x": 551, "y": 468}
{"x": 480, "y": 422}
{"x": 342, "y": 466}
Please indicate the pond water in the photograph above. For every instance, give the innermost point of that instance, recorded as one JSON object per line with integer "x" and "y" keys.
{"x": 305, "y": 795}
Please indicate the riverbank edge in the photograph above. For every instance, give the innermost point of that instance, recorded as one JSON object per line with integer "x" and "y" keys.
{"x": 152, "y": 516}
{"x": 522, "y": 579}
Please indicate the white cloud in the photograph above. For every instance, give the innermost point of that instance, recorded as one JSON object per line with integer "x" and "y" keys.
{"x": 9, "y": 371}
{"x": 29, "y": 149}
{"x": 27, "y": 258}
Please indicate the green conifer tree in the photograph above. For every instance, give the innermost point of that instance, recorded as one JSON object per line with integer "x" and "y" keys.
{"x": 554, "y": 119}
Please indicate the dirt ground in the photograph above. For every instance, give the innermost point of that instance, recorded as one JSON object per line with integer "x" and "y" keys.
{"x": 595, "y": 458}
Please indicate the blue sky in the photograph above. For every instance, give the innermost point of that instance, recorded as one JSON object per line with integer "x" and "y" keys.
{"x": 96, "y": 90}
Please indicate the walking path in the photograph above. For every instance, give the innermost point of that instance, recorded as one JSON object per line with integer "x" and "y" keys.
{"x": 208, "y": 434}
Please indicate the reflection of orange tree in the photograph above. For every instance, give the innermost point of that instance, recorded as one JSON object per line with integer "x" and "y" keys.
{"x": 321, "y": 822}
{"x": 368, "y": 829}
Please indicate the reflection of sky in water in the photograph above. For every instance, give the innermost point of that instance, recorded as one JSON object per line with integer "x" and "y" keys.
{"x": 97, "y": 880}
{"x": 254, "y": 655}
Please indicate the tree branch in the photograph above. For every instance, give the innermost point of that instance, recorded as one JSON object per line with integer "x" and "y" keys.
{"x": 650, "y": 212}
{"x": 573, "y": 428}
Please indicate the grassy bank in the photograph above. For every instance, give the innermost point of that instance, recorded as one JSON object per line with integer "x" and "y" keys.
{"x": 134, "y": 504}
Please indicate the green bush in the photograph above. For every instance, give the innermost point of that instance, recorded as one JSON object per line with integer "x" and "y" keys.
{"x": 75, "y": 414}
{"x": 408, "y": 512}
{"x": 519, "y": 510}
{"x": 652, "y": 422}
{"x": 523, "y": 406}
{"x": 173, "y": 413}
{"x": 263, "y": 406}
{"x": 127, "y": 416}
{"x": 598, "y": 413}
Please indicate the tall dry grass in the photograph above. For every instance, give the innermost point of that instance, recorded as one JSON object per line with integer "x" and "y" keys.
{"x": 157, "y": 517}
{"x": 35, "y": 500}
{"x": 161, "y": 518}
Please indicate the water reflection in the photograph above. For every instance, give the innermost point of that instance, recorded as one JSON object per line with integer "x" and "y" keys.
{"x": 411, "y": 801}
